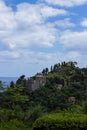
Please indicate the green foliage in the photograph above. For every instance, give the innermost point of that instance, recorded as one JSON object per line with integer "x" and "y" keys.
{"x": 21, "y": 80}
{"x": 12, "y": 84}
{"x": 1, "y": 84}
{"x": 7, "y": 114}
{"x": 85, "y": 107}
{"x": 13, "y": 125}
{"x": 61, "y": 121}
{"x": 14, "y": 97}
{"x": 54, "y": 78}
{"x": 51, "y": 98}
{"x": 20, "y": 106}
{"x": 33, "y": 113}
{"x": 77, "y": 109}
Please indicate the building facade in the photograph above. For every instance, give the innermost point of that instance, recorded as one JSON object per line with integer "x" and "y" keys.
{"x": 35, "y": 82}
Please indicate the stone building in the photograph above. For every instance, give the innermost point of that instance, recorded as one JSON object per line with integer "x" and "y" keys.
{"x": 35, "y": 82}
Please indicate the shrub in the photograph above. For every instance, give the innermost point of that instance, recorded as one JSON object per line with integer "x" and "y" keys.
{"x": 12, "y": 125}
{"x": 32, "y": 114}
{"x": 61, "y": 121}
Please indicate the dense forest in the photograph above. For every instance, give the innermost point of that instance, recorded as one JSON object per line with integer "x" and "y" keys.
{"x": 65, "y": 91}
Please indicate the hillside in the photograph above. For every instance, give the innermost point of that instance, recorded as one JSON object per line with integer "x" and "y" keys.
{"x": 66, "y": 85}
{"x": 65, "y": 89}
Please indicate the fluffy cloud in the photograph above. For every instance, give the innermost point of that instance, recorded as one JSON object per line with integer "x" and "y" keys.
{"x": 47, "y": 59}
{"x": 6, "y": 55}
{"x": 42, "y": 36}
{"x": 66, "y": 3}
{"x": 65, "y": 23}
{"x": 74, "y": 40}
{"x": 49, "y": 11}
{"x": 7, "y": 21}
{"x": 26, "y": 26}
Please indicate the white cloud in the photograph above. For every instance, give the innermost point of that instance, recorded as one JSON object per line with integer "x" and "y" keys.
{"x": 44, "y": 59}
{"x": 74, "y": 40}
{"x": 7, "y": 21}
{"x": 50, "y": 11}
{"x": 66, "y": 3}
{"x": 84, "y": 23}
{"x": 26, "y": 26}
{"x": 9, "y": 55}
{"x": 66, "y": 23}
{"x": 28, "y": 14}
{"x": 42, "y": 36}
{"x": 36, "y": 14}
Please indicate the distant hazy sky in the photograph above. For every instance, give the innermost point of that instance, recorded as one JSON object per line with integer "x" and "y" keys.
{"x": 35, "y": 34}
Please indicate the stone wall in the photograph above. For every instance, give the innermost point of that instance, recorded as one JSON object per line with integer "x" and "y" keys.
{"x": 39, "y": 80}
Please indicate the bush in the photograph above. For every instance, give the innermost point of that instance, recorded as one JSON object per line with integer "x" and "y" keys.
{"x": 61, "y": 121}
{"x": 32, "y": 114}
{"x": 12, "y": 125}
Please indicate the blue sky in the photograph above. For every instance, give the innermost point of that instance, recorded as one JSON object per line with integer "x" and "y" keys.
{"x": 35, "y": 34}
